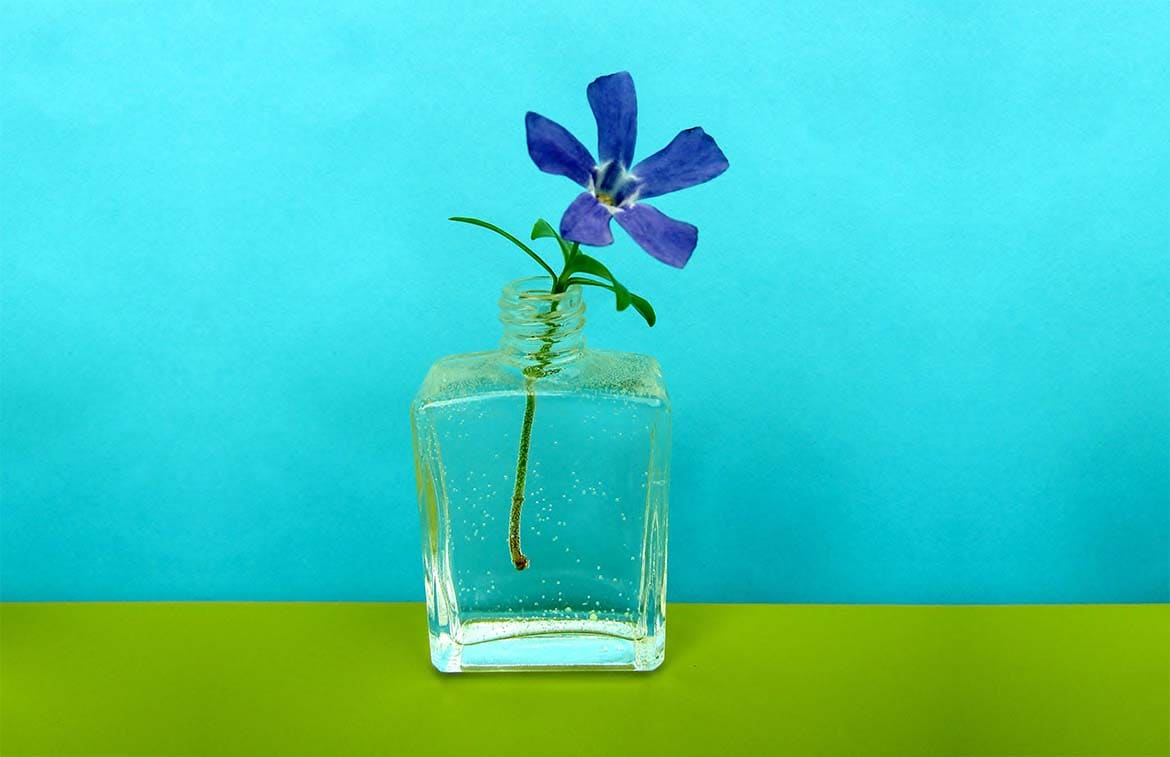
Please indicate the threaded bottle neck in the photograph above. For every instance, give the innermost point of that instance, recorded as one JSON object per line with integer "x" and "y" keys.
{"x": 542, "y": 331}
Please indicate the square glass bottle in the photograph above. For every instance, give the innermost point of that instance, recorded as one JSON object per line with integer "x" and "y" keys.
{"x": 543, "y": 473}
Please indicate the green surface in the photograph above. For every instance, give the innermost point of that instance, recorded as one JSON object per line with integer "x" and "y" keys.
{"x": 336, "y": 679}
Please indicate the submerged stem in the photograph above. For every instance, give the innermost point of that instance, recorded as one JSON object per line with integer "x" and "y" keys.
{"x": 518, "y": 558}
{"x": 531, "y": 373}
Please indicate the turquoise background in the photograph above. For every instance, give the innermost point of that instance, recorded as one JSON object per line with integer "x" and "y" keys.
{"x": 922, "y": 353}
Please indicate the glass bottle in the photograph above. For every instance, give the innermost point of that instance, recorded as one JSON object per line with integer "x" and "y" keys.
{"x": 543, "y": 470}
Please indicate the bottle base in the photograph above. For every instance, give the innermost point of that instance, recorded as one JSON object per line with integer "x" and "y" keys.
{"x": 527, "y": 645}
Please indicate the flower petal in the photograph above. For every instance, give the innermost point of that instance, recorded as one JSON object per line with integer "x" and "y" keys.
{"x": 615, "y": 106}
{"x": 554, "y": 150}
{"x": 691, "y": 158}
{"x": 587, "y": 221}
{"x": 669, "y": 240}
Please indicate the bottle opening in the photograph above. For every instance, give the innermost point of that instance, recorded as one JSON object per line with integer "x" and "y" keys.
{"x": 542, "y": 330}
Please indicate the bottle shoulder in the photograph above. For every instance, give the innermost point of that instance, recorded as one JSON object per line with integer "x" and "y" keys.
{"x": 596, "y": 372}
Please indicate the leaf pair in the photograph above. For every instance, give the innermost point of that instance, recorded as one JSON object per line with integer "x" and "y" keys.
{"x": 577, "y": 262}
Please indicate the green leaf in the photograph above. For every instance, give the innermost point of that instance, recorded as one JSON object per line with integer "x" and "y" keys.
{"x": 543, "y": 230}
{"x": 644, "y": 309}
{"x": 491, "y": 227}
{"x": 640, "y": 304}
{"x": 583, "y": 263}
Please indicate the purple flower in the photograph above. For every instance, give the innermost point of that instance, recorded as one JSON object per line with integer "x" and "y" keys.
{"x": 614, "y": 190}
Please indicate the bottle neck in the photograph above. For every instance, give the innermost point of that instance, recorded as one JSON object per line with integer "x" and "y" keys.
{"x": 542, "y": 331}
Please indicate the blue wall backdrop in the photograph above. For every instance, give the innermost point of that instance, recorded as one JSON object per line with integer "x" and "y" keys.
{"x": 922, "y": 353}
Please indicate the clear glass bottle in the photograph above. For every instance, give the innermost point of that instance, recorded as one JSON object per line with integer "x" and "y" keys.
{"x": 543, "y": 470}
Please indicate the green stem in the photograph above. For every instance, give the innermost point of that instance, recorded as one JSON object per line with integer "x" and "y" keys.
{"x": 531, "y": 373}
{"x": 518, "y": 558}
{"x": 575, "y": 262}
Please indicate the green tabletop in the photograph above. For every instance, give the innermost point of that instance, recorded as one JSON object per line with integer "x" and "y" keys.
{"x": 339, "y": 679}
